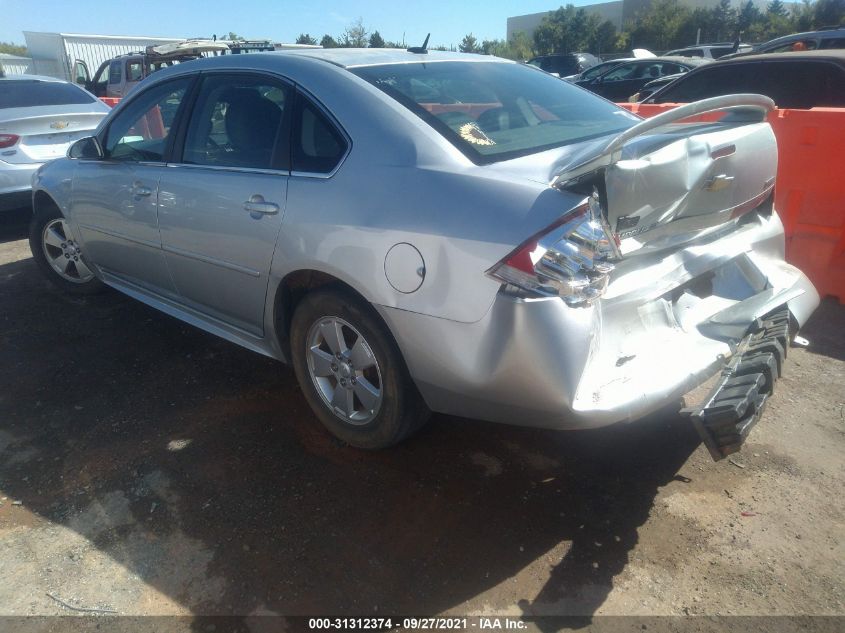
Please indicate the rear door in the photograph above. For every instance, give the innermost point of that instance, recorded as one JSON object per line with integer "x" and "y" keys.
{"x": 221, "y": 202}
{"x": 115, "y": 199}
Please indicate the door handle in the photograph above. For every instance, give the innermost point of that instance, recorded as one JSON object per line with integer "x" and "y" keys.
{"x": 257, "y": 204}
{"x": 140, "y": 190}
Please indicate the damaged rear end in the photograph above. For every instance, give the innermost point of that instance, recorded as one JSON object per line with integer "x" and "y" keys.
{"x": 675, "y": 261}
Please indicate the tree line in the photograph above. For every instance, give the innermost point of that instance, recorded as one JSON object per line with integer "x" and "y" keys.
{"x": 664, "y": 25}
{"x": 661, "y": 26}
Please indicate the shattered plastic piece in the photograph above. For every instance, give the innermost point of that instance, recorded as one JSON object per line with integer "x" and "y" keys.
{"x": 800, "y": 341}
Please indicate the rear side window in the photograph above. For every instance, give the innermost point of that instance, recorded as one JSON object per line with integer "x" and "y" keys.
{"x": 795, "y": 45}
{"x": 134, "y": 71}
{"x": 798, "y": 85}
{"x": 833, "y": 42}
{"x": 30, "y": 94}
{"x": 318, "y": 146}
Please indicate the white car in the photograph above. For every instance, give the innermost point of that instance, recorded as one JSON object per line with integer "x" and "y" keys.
{"x": 39, "y": 119}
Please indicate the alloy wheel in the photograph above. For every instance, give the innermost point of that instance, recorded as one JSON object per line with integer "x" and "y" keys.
{"x": 344, "y": 370}
{"x": 63, "y": 253}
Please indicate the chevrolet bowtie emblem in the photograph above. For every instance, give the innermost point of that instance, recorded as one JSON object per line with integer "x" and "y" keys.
{"x": 718, "y": 183}
{"x": 59, "y": 125}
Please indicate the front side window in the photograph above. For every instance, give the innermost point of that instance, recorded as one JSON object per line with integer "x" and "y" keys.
{"x": 240, "y": 122}
{"x": 595, "y": 71}
{"x": 721, "y": 51}
{"x": 115, "y": 73}
{"x": 318, "y": 146}
{"x": 504, "y": 110}
{"x": 101, "y": 79}
{"x": 625, "y": 71}
{"x": 80, "y": 72}
{"x": 140, "y": 132}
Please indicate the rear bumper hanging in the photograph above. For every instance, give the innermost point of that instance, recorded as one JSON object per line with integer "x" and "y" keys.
{"x": 735, "y": 404}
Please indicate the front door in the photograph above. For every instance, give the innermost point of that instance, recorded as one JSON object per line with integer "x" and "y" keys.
{"x": 115, "y": 198}
{"x": 221, "y": 204}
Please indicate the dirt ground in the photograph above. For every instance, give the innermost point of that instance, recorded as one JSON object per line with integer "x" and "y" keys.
{"x": 149, "y": 468}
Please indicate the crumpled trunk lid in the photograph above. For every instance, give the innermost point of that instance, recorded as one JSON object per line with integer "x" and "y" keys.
{"x": 663, "y": 183}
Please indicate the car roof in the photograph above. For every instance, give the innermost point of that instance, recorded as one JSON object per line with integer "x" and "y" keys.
{"x": 34, "y": 78}
{"x": 823, "y": 33}
{"x": 825, "y": 54}
{"x": 677, "y": 59}
{"x": 356, "y": 57}
{"x": 706, "y": 46}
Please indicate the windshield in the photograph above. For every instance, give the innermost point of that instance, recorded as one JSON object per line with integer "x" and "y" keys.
{"x": 32, "y": 93}
{"x": 494, "y": 111}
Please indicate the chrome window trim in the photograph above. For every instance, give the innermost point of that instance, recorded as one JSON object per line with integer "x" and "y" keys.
{"x": 247, "y": 170}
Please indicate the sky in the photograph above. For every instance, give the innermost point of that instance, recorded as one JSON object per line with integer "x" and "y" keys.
{"x": 277, "y": 20}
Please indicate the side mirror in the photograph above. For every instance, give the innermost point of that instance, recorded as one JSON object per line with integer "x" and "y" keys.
{"x": 88, "y": 148}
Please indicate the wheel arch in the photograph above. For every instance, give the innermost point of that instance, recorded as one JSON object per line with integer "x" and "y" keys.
{"x": 292, "y": 289}
{"x": 42, "y": 200}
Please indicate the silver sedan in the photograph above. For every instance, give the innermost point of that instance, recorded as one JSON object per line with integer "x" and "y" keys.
{"x": 39, "y": 118}
{"x": 418, "y": 231}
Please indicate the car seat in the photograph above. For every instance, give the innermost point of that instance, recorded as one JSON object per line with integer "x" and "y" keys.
{"x": 252, "y": 122}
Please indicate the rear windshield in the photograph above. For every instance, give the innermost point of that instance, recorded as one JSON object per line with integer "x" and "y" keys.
{"x": 29, "y": 93}
{"x": 494, "y": 111}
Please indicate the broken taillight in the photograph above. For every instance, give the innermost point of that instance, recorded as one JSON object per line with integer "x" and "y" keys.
{"x": 571, "y": 259}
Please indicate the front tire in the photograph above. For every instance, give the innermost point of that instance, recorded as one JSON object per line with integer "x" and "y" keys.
{"x": 58, "y": 255}
{"x": 352, "y": 372}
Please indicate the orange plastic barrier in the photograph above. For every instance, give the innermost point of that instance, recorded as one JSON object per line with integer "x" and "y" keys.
{"x": 110, "y": 101}
{"x": 810, "y": 189}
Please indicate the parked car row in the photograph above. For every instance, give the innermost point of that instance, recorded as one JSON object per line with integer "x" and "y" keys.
{"x": 794, "y": 82}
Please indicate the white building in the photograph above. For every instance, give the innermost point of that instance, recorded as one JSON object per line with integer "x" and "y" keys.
{"x": 68, "y": 55}
{"x": 15, "y": 65}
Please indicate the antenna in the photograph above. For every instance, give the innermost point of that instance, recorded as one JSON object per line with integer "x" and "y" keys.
{"x": 421, "y": 50}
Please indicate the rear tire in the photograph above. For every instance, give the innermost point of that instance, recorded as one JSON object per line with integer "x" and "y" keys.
{"x": 58, "y": 255}
{"x": 352, "y": 372}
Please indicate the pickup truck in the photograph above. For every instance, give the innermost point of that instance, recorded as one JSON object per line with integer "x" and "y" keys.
{"x": 117, "y": 77}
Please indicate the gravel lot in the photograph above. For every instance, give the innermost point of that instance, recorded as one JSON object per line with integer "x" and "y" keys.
{"x": 149, "y": 468}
